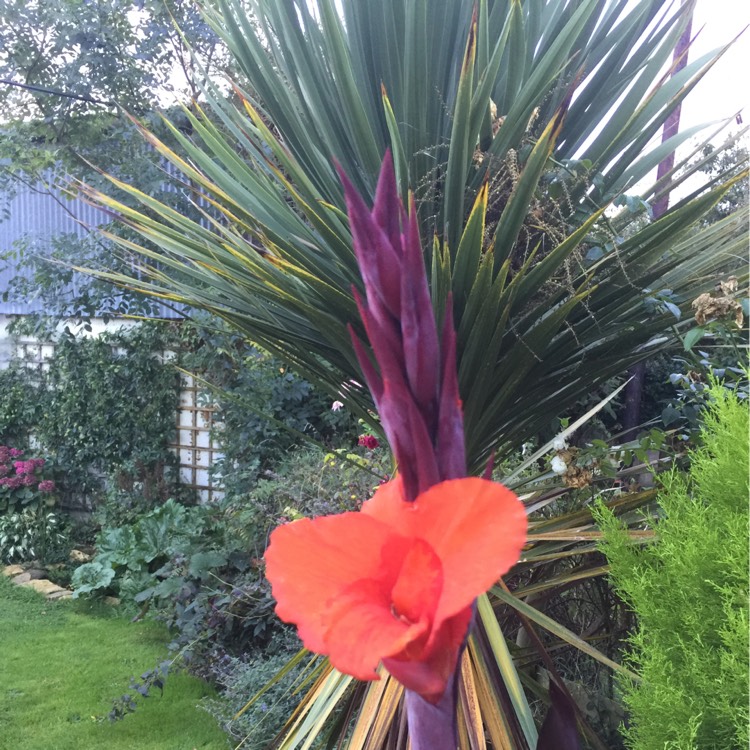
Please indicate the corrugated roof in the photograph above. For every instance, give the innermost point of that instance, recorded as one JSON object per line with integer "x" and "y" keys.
{"x": 38, "y": 214}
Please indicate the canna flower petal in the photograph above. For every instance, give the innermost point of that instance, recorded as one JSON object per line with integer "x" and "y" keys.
{"x": 427, "y": 672}
{"x": 310, "y": 563}
{"x": 363, "y": 629}
{"x": 476, "y": 527}
{"x": 396, "y": 582}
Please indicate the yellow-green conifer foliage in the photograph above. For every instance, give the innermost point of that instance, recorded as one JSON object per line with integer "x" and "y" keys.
{"x": 689, "y": 590}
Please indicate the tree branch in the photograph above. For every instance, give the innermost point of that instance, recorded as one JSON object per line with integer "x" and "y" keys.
{"x": 55, "y": 92}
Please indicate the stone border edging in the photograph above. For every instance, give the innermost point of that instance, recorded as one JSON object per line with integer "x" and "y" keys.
{"x": 33, "y": 578}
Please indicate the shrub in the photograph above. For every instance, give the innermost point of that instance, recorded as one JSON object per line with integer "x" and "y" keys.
{"x": 31, "y": 534}
{"x": 110, "y": 408}
{"x": 310, "y": 483}
{"x": 254, "y": 726}
{"x": 103, "y": 410}
{"x": 689, "y": 591}
{"x": 28, "y": 528}
{"x": 22, "y": 483}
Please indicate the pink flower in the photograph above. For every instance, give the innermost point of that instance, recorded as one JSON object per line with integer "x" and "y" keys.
{"x": 28, "y": 480}
{"x": 16, "y": 452}
{"x": 46, "y": 485}
{"x": 28, "y": 467}
{"x": 4, "y": 470}
{"x": 369, "y": 441}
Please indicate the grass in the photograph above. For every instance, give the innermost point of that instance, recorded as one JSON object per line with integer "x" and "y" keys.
{"x": 62, "y": 663}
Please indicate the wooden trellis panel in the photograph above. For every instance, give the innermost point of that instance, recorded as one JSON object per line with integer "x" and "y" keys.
{"x": 196, "y": 446}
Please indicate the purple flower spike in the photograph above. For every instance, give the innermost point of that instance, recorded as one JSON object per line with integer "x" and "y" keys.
{"x": 413, "y": 376}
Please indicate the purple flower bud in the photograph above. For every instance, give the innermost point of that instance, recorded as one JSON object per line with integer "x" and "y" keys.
{"x": 409, "y": 370}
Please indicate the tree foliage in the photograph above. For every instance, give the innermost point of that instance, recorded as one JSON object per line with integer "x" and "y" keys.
{"x": 65, "y": 59}
{"x": 71, "y": 75}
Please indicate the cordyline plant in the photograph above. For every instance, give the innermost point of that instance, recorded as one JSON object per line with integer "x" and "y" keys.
{"x": 511, "y": 175}
{"x": 516, "y": 124}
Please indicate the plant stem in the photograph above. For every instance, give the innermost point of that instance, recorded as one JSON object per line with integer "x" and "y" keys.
{"x": 433, "y": 726}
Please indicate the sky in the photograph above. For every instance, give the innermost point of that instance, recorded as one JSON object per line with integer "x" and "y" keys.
{"x": 726, "y": 88}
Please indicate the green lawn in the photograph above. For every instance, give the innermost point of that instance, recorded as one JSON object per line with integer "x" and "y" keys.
{"x": 62, "y": 663}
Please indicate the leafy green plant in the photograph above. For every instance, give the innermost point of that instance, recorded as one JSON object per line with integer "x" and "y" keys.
{"x": 91, "y": 577}
{"x": 689, "y": 590}
{"x": 128, "y": 556}
{"x": 31, "y": 534}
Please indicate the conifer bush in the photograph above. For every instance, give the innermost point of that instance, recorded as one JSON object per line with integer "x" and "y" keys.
{"x": 689, "y": 590}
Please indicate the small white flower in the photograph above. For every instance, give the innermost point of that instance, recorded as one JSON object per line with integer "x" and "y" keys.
{"x": 558, "y": 465}
{"x": 336, "y": 405}
{"x": 559, "y": 443}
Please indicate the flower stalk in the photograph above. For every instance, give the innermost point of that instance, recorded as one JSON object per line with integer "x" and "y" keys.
{"x": 396, "y": 583}
{"x": 416, "y": 389}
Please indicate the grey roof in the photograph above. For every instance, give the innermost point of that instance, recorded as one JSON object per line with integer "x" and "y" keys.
{"x": 37, "y": 215}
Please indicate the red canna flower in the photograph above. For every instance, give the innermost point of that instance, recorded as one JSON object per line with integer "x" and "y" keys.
{"x": 396, "y": 582}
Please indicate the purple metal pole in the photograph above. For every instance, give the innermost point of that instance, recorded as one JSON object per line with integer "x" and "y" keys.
{"x": 634, "y": 390}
